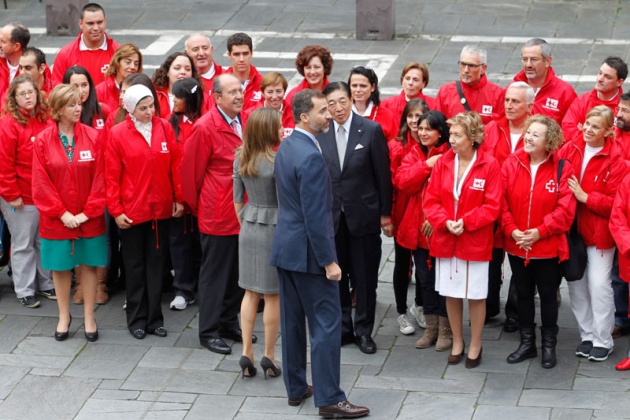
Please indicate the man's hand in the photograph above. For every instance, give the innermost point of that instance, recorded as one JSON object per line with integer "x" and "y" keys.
{"x": 333, "y": 272}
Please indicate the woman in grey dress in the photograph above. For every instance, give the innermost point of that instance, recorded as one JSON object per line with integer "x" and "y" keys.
{"x": 253, "y": 178}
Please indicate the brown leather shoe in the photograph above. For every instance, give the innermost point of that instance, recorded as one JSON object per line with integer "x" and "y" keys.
{"x": 619, "y": 332}
{"x": 473, "y": 363}
{"x": 101, "y": 286}
{"x": 298, "y": 401}
{"x": 343, "y": 410}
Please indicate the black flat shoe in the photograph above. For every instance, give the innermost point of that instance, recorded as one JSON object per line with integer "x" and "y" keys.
{"x": 159, "y": 331}
{"x": 247, "y": 366}
{"x": 366, "y": 344}
{"x": 91, "y": 336}
{"x": 60, "y": 336}
{"x": 139, "y": 333}
{"x": 269, "y": 367}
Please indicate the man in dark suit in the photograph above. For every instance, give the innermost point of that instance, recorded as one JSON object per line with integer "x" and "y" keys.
{"x": 303, "y": 251}
{"x": 357, "y": 157}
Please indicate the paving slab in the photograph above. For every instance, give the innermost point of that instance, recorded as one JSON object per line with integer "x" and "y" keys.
{"x": 215, "y": 407}
{"x": 491, "y": 412}
{"x": 106, "y": 361}
{"x": 433, "y": 405}
{"x": 502, "y": 389}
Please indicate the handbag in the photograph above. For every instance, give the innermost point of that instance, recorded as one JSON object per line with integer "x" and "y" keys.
{"x": 573, "y": 269}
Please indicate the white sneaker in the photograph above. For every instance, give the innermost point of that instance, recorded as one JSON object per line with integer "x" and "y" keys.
{"x": 418, "y": 314}
{"x": 405, "y": 326}
{"x": 179, "y": 303}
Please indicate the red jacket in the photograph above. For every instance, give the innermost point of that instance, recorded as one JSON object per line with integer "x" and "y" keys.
{"x": 479, "y": 207}
{"x": 59, "y": 186}
{"x": 95, "y": 62}
{"x": 600, "y": 181}
{"x": 164, "y": 100}
{"x": 497, "y": 140}
{"x": 252, "y": 93}
{"x": 412, "y": 179}
{"x": 580, "y": 107}
{"x": 303, "y": 85}
{"x": 485, "y": 97}
{"x": 623, "y": 139}
{"x": 4, "y": 78}
{"x": 397, "y": 152}
{"x": 396, "y": 104}
{"x": 16, "y": 155}
{"x": 108, "y": 92}
{"x": 620, "y": 227}
{"x": 544, "y": 206}
{"x": 207, "y": 174}
{"x": 287, "y": 116}
{"x": 142, "y": 181}
{"x": 386, "y": 119}
{"x": 554, "y": 97}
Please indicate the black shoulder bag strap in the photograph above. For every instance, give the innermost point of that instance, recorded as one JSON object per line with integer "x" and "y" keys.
{"x": 462, "y": 98}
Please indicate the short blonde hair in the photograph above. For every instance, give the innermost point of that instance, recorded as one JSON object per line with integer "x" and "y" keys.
{"x": 472, "y": 124}
{"x": 60, "y": 97}
{"x": 606, "y": 114}
{"x": 554, "y": 137}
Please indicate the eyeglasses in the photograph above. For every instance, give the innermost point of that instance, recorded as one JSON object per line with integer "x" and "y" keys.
{"x": 464, "y": 64}
{"x": 25, "y": 93}
{"x": 532, "y": 60}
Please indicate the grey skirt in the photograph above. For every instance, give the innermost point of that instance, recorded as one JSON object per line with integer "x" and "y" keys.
{"x": 254, "y": 248}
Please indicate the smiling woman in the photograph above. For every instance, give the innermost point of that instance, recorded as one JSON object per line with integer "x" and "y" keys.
{"x": 177, "y": 66}
{"x": 315, "y": 63}
{"x": 126, "y": 61}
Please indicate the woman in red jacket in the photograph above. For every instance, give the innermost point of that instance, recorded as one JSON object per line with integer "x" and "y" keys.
{"x": 415, "y": 231}
{"x": 599, "y": 168}
{"x": 177, "y": 66}
{"x": 93, "y": 113}
{"x": 462, "y": 203}
{"x": 183, "y": 232}
{"x": 398, "y": 149}
{"x": 315, "y": 63}
{"x": 127, "y": 60}
{"x": 143, "y": 192}
{"x": 366, "y": 100}
{"x": 538, "y": 209}
{"x": 414, "y": 78}
{"x": 69, "y": 192}
{"x": 26, "y": 115}
{"x": 620, "y": 229}
{"x": 273, "y": 87}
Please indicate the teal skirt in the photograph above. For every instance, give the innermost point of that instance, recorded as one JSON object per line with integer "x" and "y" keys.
{"x": 65, "y": 254}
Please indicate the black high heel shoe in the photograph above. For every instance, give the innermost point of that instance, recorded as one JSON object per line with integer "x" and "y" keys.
{"x": 269, "y": 367}
{"x": 60, "y": 336}
{"x": 247, "y": 365}
{"x": 92, "y": 336}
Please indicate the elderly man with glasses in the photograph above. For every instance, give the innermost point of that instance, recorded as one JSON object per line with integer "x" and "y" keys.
{"x": 473, "y": 92}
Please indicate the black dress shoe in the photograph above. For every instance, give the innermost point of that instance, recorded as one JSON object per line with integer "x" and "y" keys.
{"x": 236, "y": 335}
{"x": 216, "y": 345}
{"x": 343, "y": 410}
{"x": 293, "y": 402}
{"x": 366, "y": 344}
{"x": 511, "y": 325}
{"x": 159, "y": 331}
{"x": 348, "y": 338}
{"x": 139, "y": 333}
{"x": 61, "y": 336}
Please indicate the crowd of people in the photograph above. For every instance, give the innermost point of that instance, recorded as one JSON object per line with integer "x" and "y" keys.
{"x": 261, "y": 199}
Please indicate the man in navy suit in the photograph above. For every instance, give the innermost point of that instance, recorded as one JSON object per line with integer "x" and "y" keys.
{"x": 357, "y": 157}
{"x": 303, "y": 251}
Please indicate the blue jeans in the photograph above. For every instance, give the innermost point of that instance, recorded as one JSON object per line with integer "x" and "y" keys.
{"x": 620, "y": 291}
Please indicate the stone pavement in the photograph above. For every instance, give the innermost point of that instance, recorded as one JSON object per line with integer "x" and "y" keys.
{"x": 121, "y": 377}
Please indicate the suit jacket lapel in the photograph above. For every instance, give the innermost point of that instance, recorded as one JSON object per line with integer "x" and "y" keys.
{"x": 329, "y": 148}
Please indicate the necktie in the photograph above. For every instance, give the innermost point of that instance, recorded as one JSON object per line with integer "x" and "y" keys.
{"x": 234, "y": 126}
{"x": 342, "y": 142}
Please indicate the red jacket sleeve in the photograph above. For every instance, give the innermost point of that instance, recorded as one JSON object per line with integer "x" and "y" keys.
{"x": 508, "y": 225}
{"x": 9, "y": 189}
{"x": 45, "y": 194}
{"x": 176, "y": 160}
{"x": 95, "y": 203}
{"x": 434, "y": 209}
{"x": 412, "y": 173}
{"x": 488, "y": 212}
{"x": 193, "y": 167}
{"x": 113, "y": 176}
{"x": 619, "y": 223}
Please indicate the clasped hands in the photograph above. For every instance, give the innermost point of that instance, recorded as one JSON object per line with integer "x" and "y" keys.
{"x": 525, "y": 239}
{"x": 455, "y": 227}
{"x": 72, "y": 221}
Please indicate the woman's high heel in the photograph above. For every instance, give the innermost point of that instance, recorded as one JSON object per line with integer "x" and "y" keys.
{"x": 454, "y": 359}
{"x": 269, "y": 367}
{"x": 92, "y": 336}
{"x": 60, "y": 336}
{"x": 247, "y": 365}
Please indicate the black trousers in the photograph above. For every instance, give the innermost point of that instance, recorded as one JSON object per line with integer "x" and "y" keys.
{"x": 219, "y": 294}
{"x": 544, "y": 275}
{"x": 434, "y": 303}
{"x": 402, "y": 271}
{"x": 359, "y": 257}
{"x": 144, "y": 247}
{"x": 185, "y": 248}
{"x": 493, "y": 301}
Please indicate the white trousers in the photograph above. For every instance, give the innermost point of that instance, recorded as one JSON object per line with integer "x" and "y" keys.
{"x": 592, "y": 298}
{"x": 26, "y": 263}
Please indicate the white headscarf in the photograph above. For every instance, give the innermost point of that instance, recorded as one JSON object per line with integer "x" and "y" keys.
{"x": 133, "y": 95}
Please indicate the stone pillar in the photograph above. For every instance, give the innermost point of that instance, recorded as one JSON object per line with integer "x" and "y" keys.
{"x": 62, "y": 17}
{"x": 375, "y": 20}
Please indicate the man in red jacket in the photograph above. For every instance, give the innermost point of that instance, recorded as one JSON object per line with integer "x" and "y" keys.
{"x": 33, "y": 63}
{"x": 607, "y": 91}
{"x": 208, "y": 187}
{"x": 240, "y": 51}
{"x": 554, "y": 96}
{"x": 477, "y": 93}
{"x": 199, "y": 47}
{"x": 14, "y": 38}
{"x": 93, "y": 49}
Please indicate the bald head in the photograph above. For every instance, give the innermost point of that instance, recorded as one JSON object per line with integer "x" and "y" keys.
{"x": 228, "y": 94}
{"x": 199, "y": 47}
